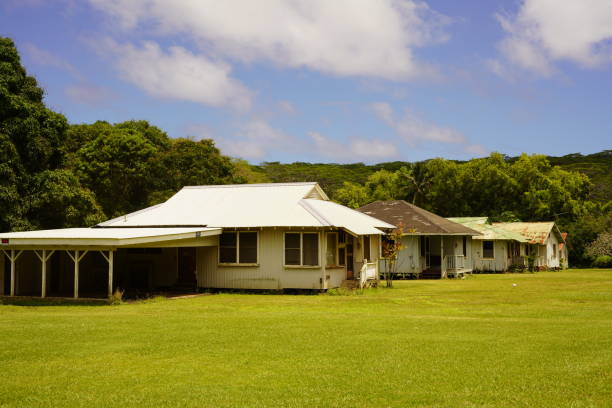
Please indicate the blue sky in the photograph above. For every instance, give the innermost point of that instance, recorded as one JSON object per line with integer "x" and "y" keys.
{"x": 341, "y": 81}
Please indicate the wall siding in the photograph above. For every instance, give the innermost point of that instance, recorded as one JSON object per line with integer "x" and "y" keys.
{"x": 498, "y": 264}
{"x": 270, "y": 273}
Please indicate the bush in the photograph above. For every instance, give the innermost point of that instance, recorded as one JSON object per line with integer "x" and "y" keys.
{"x": 117, "y": 297}
{"x": 603, "y": 262}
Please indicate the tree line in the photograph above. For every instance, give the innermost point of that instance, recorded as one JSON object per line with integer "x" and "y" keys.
{"x": 54, "y": 174}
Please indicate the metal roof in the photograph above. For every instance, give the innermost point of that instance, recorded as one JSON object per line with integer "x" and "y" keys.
{"x": 488, "y": 231}
{"x": 416, "y": 221}
{"x": 115, "y": 237}
{"x": 534, "y": 232}
{"x": 251, "y": 205}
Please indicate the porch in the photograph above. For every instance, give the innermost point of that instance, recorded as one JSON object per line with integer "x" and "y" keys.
{"x": 93, "y": 263}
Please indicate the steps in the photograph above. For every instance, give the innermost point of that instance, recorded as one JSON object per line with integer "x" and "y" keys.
{"x": 350, "y": 284}
{"x": 431, "y": 274}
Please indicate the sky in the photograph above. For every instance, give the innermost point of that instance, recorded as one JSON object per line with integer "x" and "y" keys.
{"x": 331, "y": 81}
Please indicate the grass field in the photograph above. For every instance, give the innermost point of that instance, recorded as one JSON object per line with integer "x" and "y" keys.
{"x": 478, "y": 342}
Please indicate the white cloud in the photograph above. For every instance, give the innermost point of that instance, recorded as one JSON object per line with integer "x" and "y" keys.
{"x": 178, "y": 74}
{"x": 287, "y": 107}
{"x": 368, "y": 38}
{"x": 355, "y": 149}
{"x": 255, "y": 139}
{"x": 90, "y": 94}
{"x": 543, "y": 32}
{"x": 46, "y": 58}
{"x": 413, "y": 129}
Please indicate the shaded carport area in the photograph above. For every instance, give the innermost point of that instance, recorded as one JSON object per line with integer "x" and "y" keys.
{"x": 93, "y": 262}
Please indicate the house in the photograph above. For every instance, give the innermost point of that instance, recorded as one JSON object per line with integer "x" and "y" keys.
{"x": 433, "y": 247}
{"x": 544, "y": 240}
{"x": 253, "y": 236}
{"x": 504, "y": 245}
{"x": 496, "y": 249}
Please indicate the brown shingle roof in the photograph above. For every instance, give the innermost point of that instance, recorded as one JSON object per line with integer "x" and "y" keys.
{"x": 414, "y": 219}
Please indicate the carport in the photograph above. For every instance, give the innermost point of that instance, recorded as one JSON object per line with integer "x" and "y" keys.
{"x": 77, "y": 243}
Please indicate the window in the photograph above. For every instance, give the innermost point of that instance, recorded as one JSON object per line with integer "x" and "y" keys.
{"x": 238, "y": 247}
{"x": 488, "y": 251}
{"x": 424, "y": 244}
{"x": 554, "y": 251}
{"x": 464, "y": 246}
{"x": 331, "y": 255}
{"x": 366, "y": 248}
{"x": 302, "y": 249}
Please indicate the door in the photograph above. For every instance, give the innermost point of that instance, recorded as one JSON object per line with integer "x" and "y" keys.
{"x": 187, "y": 268}
{"x": 349, "y": 258}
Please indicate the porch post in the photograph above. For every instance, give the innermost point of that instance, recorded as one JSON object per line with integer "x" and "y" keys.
{"x": 13, "y": 258}
{"x": 76, "y": 274}
{"x": 76, "y": 258}
{"x": 12, "y": 272}
{"x": 109, "y": 259}
{"x": 442, "y": 263}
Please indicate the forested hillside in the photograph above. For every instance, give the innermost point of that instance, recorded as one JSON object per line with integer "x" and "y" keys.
{"x": 597, "y": 166}
{"x": 54, "y": 174}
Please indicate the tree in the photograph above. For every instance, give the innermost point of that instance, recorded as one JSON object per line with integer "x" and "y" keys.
{"x": 602, "y": 246}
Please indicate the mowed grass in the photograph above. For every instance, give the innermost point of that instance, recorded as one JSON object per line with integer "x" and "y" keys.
{"x": 478, "y": 342}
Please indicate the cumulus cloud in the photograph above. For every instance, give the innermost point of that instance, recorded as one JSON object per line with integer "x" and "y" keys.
{"x": 414, "y": 129}
{"x": 178, "y": 74}
{"x": 355, "y": 149}
{"x": 543, "y": 32}
{"x": 368, "y": 38}
{"x": 90, "y": 94}
{"x": 256, "y": 138}
{"x": 46, "y": 58}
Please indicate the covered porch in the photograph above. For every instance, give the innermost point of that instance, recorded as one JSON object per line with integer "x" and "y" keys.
{"x": 94, "y": 262}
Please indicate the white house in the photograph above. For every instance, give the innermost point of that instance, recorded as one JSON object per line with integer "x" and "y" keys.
{"x": 503, "y": 245}
{"x": 252, "y": 236}
{"x": 432, "y": 246}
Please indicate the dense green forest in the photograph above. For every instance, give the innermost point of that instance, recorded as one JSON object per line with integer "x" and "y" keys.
{"x": 54, "y": 174}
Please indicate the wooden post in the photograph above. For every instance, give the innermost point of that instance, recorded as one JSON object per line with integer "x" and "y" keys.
{"x": 13, "y": 258}
{"x": 76, "y": 258}
{"x": 43, "y": 259}
{"x": 442, "y": 274}
{"x": 109, "y": 259}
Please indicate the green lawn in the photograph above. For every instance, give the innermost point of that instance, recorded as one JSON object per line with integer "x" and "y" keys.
{"x": 478, "y": 342}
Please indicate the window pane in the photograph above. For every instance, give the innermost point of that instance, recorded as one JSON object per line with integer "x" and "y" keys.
{"x": 228, "y": 239}
{"x": 292, "y": 256}
{"x": 366, "y": 248}
{"x": 292, "y": 241}
{"x": 227, "y": 255}
{"x": 310, "y": 252}
{"x": 248, "y": 247}
{"x": 487, "y": 249}
{"x": 330, "y": 255}
{"x": 227, "y": 250}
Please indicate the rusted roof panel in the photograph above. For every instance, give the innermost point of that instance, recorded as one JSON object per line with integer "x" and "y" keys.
{"x": 415, "y": 220}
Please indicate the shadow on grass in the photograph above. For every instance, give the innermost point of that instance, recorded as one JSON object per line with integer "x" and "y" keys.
{"x": 50, "y": 301}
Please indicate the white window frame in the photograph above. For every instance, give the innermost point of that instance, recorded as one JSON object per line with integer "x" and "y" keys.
{"x": 338, "y": 246}
{"x": 301, "y": 265}
{"x": 483, "y": 250}
{"x": 237, "y": 263}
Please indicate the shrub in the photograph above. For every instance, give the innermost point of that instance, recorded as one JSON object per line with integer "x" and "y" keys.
{"x": 603, "y": 262}
{"x": 117, "y": 297}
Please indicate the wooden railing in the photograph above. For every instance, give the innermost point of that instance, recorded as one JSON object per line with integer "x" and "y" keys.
{"x": 369, "y": 271}
{"x": 455, "y": 261}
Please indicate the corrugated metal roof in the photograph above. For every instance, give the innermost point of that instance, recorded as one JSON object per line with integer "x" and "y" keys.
{"x": 488, "y": 231}
{"x": 340, "y": 216}
{"x": 534, "y": 232}
{"x": 104, "y": 236}
{"x": 414, "y": 219}
{"x": 250, "y": 205}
